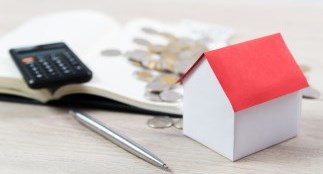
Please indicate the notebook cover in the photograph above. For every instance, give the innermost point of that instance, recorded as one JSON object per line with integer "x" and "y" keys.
{"x": 86, "y": 101}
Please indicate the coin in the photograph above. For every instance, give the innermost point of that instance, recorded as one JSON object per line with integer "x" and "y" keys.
{"x": 167, "y": 35}
{"x": 169, "y": 56}
{"x": 144, "y": 75}
{"x": 304, "y": 68}
{"x": 136, "y": 55}
{"x": 160, "y": 122}
{"x": 156, "y": 87}
{"x": 178, "y": 124}
{"x": 167, "y": 65}
{"x": 141, "y": 41}
{"x": 168, "y": 79}
{"x": 149, "y": 63}
{"x": 170, "y": 96}
{"x": 180, "y": 68}
{"x": 156, "y": 48}
{"x": 149, "y": 30}
{"x": 311, "y": 93}
{"x": 111, "y": 52}
{"x": 186, "y": 54}
{"x": 152, "y": 96}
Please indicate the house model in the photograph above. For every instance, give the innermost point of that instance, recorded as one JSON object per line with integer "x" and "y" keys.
{"x": 243, "y": 98}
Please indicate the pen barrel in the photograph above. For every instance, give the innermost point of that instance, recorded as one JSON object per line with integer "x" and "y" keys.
{"x": 118, "y": 139}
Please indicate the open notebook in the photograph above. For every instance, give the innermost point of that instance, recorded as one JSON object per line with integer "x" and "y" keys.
{"x": 87, "y": 33}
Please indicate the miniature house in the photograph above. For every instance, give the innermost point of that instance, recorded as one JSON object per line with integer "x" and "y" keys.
{"x": 243, "y": 98}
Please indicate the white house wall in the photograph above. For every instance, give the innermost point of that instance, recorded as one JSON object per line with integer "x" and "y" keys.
{"x": 208, "y": 114}
{"x": 266, "y": 124}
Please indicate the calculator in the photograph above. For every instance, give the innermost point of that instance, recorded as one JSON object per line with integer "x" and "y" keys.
{"x": 50, "y": 65}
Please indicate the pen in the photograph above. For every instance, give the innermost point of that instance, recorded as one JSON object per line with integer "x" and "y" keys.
{"x": 118, "y": 139}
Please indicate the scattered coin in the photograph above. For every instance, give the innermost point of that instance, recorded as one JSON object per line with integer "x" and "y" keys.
{"x": 136, "y": 55}
{"x": 160, "y": 122}
{"x": 304, "y": 68}
{"x": 149, "y": 63}
{"x": 170, "y": 96}
{"x": 178, "y": 124}
{"x": 180, "y": 68}
{"x": 111, "y": 52}
{"x": 157, "y": 87}
{"x": 141, "y": 41}
{"x": 311, "y": 93}
{"x": 152, "y": 96}
{"x": 144, "y": 75}
{"x": 149, "y": 30}
{"x": 167, "y": 35}
{"x": 156, "y": 48}
{"x": 168, "y": 79}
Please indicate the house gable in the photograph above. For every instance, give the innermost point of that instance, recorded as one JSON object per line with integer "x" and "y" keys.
{"x": 205, "y": 107}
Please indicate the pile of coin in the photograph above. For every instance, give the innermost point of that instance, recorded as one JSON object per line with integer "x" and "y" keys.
{"x": 162, "y": 64}
{"x": 165, "y": 122}
{"x": 310, "y": 92}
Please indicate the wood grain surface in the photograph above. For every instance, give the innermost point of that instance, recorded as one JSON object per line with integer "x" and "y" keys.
{"x": 39, "y": 139}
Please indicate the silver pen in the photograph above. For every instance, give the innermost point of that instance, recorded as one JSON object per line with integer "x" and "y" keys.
{"x": 118, "y": 139}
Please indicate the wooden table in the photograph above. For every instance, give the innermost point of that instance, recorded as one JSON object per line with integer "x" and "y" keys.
{"x": 40, "y": 139}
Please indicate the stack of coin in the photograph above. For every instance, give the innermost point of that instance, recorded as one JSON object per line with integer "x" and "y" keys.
{"x": 161, "y": 65}
{"x": 169, "y": 61}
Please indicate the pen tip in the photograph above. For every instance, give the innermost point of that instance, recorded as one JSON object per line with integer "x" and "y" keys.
{"x": 165, "y": 167}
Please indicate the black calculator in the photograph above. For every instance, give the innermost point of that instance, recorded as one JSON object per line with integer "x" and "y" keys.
{"x": 50, "y": 65}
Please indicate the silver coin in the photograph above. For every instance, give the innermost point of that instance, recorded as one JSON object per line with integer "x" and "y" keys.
{"x": 152, "y": 96}
{"x": 180, "y": 67}
{"x": 143, "y": 75}
{"x": 111, "y": 52}
{"x": 170, "y": 96}
{"x": 156, "y": 48}
{"x": 169, "y": 79}
{"x": 148, "y": 63}
{"x": 160, "y": 122}
{"x": 311, "y": 93}
{"x": 136, "y": 55}
{"x": 167, "y": 35}
{"x": 157, "y": 87}
{"x": 149, "y": 30}
{"x": 141, "y": 41}
{"x": 178, "y": 124}
{"x": 305, "y": 68}
{"x": 186, "y": 54}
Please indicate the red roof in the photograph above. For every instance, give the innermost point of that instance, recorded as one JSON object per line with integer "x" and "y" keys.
{"x": 255, "y": 71}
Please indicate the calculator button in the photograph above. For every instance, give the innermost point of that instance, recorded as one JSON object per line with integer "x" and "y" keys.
{"x": 27, "y": 60}
{"x": 39, "y": 76}
{"x": 31, "y": 81}
{"x": 78, "y": 68}
{"x": 67, "y": 72}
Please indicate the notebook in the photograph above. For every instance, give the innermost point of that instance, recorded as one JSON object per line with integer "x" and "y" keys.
{"x": 87, "y": 33}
